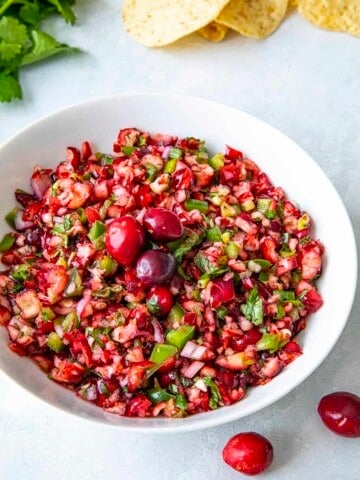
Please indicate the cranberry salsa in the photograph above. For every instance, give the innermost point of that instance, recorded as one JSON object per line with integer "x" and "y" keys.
{"x": 159, "y": 280}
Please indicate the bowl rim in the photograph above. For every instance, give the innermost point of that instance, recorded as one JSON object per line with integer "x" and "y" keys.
{"x": 203, "y": 420}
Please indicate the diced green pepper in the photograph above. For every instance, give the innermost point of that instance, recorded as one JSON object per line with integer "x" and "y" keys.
{"x": 176, "y": 313}
{"x": 248, "y": 205}
{"x": 263, "y": 205}
{"x": 104, "y": 208}
{"x": 226, "y": 236}
{"x": 82, "y": 215}
{"x": 202, "y": 155}
{"x": 214, "y": 234}
{"x": 303, "y": 222}
{"x": 180, "y": 336}
{"x": 70, "y": 322}
{"x": 141, "y": 141}
{"x": 47, "y": 314}
{"x": 232, "y": 250}
{"x": 108, "y": 265}
{"x": 109, "y": 291}
{"x": 217, "y": 161}
{"x": 161, "y": 352}
{"x": 285, "y": 252}
{"x": 170, "y": 166}
{"x": 74, "y": 287}
{"x": 157, "y": 395}
{"x": 7, "y": 242}
{"x": 97, "y": 230}
{"x": 229, "y": 210}
{"x": 193, "y": 204}
{"x": 127, "y": 150}
{"x": 54, "y": 342}
{"x": 10, "y": 217}
{"x": 221, "y": 312}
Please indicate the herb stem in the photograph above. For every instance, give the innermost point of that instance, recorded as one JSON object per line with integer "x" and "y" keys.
{"x": 9, "y": 3}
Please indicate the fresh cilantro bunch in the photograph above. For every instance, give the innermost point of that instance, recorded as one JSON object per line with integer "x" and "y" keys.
{"x": 23, "y": 43}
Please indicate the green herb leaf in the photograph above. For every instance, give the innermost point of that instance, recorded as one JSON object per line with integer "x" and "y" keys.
{"x": 269, "y": 341}
{"x": 280, "y": 311}
{"x": 9, "y": 88}
{"x": 215, "y": 397}
{"x": 44, "y": 46}
{"x": 157, "y": 395}
{"x": 63, "y": 7}
{"x": 189, "y": 243}
{"x": 12, "y": 31}
{"x": 21, "y": 272}
{"x": 7, "y": 242}
{"x": 9, "y": 51}
{"x": 30, "y": 13}
{"x": 285, "y": 295}
{"x": 253, "y": 308}
{"x": 207, "y": 267}
{"x": 181, "y": 402}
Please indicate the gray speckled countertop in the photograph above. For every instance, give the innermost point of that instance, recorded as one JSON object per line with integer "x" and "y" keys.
{"x": 303, "y": 81}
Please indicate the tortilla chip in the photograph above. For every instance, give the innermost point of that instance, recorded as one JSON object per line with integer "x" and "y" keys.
{"x": 338, "y": 15}
{"x": 215, "y": 32}
{"x": 253, "y": 18}
{"x": 155, "y": 23}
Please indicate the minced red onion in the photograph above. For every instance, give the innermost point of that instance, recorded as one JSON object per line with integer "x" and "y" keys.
{"x": 158, "y": 331}
{"x": 194, "y": 351}
{"x": 193, "y": 369}
{"x": 40, "y": 183}
{"x": 19, "y": 223}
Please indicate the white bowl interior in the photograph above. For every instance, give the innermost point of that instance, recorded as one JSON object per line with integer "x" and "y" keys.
{"x": 287, "y": 165}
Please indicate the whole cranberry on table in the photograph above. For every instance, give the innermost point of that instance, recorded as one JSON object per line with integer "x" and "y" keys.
{"x": 340, "y": 412}
{"x": 249, "y": 453}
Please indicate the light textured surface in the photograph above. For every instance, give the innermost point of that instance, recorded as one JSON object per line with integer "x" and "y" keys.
{"x": 303, "y": 81}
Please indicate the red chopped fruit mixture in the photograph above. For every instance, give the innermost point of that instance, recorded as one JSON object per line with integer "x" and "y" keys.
{"x": 159, "y": 280}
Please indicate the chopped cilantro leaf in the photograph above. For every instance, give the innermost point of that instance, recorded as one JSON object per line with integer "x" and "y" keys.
{"x": 44, "y": 46}
{"x": 253, "y": 308}
{"x": 207, "y": 267}
{"x": 9, "y": 88}
{"x": 22, "y": 42}
{"x": 12, "y": 31}
{"x": 188, "y": 244}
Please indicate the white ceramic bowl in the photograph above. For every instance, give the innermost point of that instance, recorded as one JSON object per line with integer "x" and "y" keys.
{"x": 43, "y": 143}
